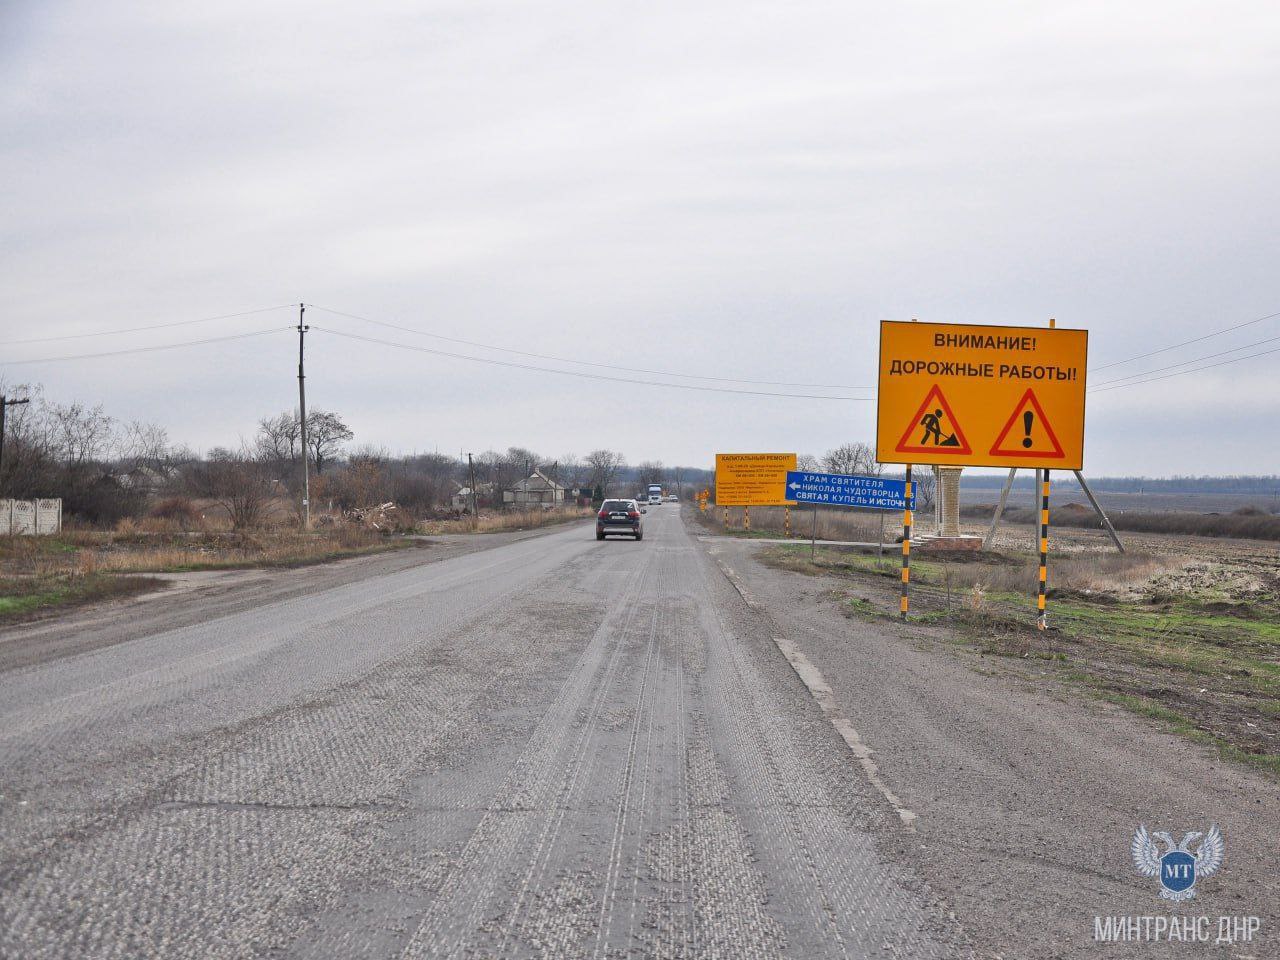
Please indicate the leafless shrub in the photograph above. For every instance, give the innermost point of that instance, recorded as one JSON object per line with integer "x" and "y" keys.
{"x": 179, "y": 511}
{"x": 238, "y": 483}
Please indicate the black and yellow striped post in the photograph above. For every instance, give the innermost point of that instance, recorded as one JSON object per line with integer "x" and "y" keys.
{"x": 905, "y": 602}
{"x": 724, "y": 518}
{"x": 1042, "y": 617}
{"x": 746, "y": 519}
{"x": 786, "y": 522}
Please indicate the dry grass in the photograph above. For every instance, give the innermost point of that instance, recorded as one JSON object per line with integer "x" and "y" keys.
{"x": 1247, "y": 523}
{"x": 129, "y": 549}
{"x": 1115, "y": 574}
{"x": 832, "y": 524}
{"x": 508, "y": 520}
{"x": 39, "y": 574}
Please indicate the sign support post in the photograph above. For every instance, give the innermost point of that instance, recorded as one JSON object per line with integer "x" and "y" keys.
{"x": 906, "y": 549}
{"x": 1004, "y": 498}
{"x": 1042, "y": 618}
{"x": 1106, "y": 521}
{"x": 746, "y": 519}
{"x": 813, "y": 535}
{"x": 786, "y": 521}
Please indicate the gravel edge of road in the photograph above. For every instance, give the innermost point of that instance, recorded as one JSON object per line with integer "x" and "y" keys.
{"x": 192, "y": 597}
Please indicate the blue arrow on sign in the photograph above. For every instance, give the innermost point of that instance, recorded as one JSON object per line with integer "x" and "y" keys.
{"x": 839, "y": 490}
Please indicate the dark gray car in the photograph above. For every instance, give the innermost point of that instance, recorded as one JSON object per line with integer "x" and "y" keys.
{"x": 619, "y": 517}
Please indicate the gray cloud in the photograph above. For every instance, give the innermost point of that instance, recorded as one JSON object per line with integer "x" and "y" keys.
{"x": 731, "y": 189}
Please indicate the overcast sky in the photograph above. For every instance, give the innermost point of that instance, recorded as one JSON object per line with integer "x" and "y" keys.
{"x": 727, "y": 189}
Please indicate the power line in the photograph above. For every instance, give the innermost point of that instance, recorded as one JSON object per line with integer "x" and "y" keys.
{"x": 585, "y": 363}
{"x": 1184, "y": 343}
{"x": 152, "y": 349}
{"x": 1184, "y": 363}
{"x": 155, "y": 326}
{"x": 1208, "y": 366}
{"x": 576, "y": 373}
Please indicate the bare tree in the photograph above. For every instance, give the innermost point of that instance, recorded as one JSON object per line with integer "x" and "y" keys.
{"x": 808, "y": 462}
{"x": 326, "y": 433}
{"x": 677, "y": 477}
{"x": 501, "y": 470}
{"x": 80, "y": 434}
{"x": 523, "y": 461}
{"x": 280, "y": 438}
{"x": 236, "y": 481}
{"x": 852, "y": 458}
{"x": 573, "y": 472}
{"x": 147, "y": 445}
{"x": 604, "y": 466}
{"x": 29, "y": 464}
{"x": 651, "y": 471}
{"x": 925, "y": 484}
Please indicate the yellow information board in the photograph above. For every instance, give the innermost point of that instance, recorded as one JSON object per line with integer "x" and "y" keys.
{"x": 981, "y": 396}
{"x": 753, "y": 479}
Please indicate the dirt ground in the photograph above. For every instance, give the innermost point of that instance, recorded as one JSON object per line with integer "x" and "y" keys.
{"x": 1185, "y": 630}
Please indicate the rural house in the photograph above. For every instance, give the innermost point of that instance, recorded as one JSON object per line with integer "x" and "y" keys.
{"x": 537, "y": 489}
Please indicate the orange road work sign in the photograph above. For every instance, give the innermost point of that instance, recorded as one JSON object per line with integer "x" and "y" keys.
{"x": 753, "y": 479}
{"x": 981, "y": 396}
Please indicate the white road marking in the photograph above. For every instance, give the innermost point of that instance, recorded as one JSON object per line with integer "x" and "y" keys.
{"x": 822, "y": 694}
{"x": 812, "y": 678}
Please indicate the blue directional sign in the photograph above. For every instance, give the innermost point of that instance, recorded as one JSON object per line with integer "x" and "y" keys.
{"x": 839, "y": 490}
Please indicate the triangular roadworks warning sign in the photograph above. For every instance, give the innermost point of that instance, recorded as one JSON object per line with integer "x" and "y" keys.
{"x": 1028, "y": 433}
{"x": 934, "y": 429}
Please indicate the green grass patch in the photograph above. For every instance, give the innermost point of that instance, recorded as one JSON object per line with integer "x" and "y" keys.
{"x": 1178, "y": 723}
{"x": 25, "y": 598}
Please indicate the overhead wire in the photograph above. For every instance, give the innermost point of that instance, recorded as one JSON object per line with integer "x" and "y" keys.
{"x": 1136, "y": 379}
{"x": 150, "y": 349}
{"x": 1185, "y": 363}
{"x": 1185, "y": 343}
{"x": 1208, "y": 366}
{"x": 585, "y": 363}
{"x": 576, "y": 373}
{"x": 154, "y": 326}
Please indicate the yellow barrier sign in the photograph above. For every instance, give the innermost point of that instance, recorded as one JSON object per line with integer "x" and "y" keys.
{"x": 981, "y": 396}
{"x": 753, "y": 479}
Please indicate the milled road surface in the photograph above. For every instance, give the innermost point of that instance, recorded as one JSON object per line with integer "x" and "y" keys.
{"x": 552, "y": 747}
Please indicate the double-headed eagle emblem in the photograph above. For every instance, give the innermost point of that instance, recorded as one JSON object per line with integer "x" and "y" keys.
{"x": 1178, "y": 868}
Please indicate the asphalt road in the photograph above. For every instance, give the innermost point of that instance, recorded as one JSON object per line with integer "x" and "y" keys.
{"x": 541, "y": 747}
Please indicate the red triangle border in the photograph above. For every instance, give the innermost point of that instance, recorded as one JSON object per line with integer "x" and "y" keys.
{"x": 1056, "y": 453}
{"x": 963, "y": 450}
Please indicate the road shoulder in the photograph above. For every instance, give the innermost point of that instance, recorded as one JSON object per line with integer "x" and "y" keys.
{"x": 1026, "y": 793}
{"x": 198, "y": 596}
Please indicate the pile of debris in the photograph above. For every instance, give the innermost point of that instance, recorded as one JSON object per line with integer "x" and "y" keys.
{"x": 443, "y": 513}
{"x": 385, "y": 517}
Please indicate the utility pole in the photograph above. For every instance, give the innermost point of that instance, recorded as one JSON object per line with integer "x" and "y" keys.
{"x": 5, "y": 404}
{"x": 302, "y": 418}
{"x": 475, "y": 510}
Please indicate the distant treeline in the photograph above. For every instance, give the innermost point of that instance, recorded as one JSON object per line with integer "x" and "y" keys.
{"x": 1247, "y": 485}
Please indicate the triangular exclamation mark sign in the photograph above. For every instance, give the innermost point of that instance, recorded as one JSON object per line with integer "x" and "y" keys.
{"x": 1027, "y": 433}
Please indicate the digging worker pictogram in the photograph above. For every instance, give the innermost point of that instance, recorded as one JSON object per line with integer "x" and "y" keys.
{"x": 932, "y": 423}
